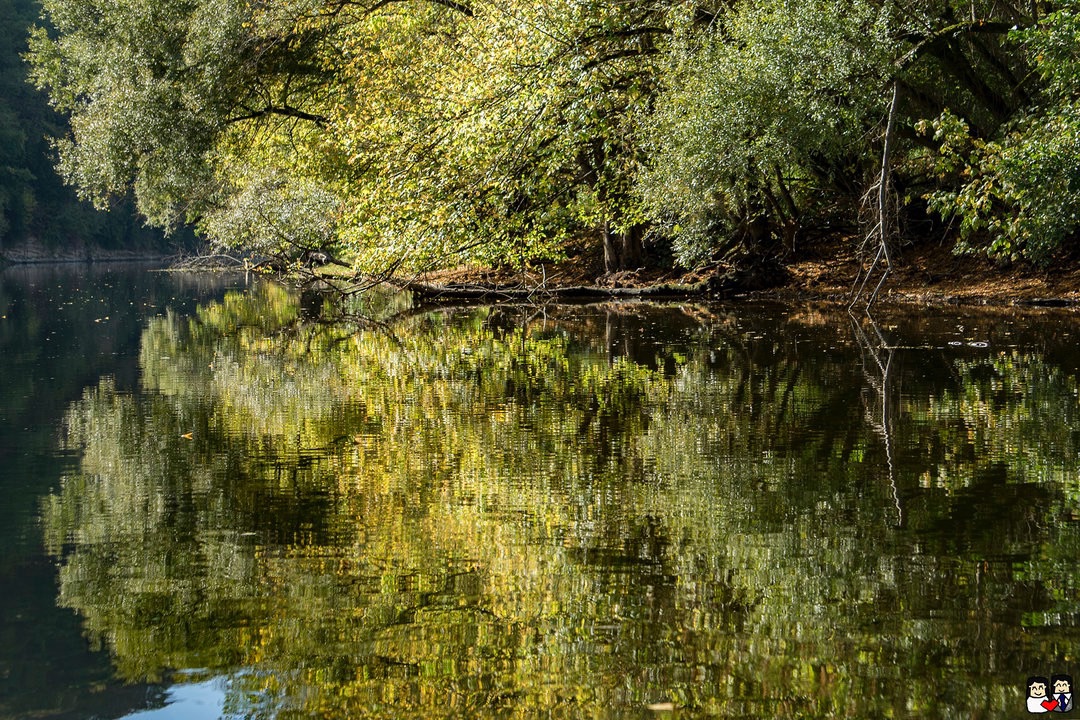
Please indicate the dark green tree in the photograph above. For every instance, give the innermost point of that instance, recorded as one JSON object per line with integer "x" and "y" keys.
{"x": 34, "y": 203}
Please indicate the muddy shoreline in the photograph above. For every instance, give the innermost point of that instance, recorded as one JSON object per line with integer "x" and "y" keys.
{"x": 925, "y": 274}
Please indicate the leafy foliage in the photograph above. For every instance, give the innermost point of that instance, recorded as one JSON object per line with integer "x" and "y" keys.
{"x": 764, "y": 111}
{"x": 417, "y": 133}
{"x": 1018, "y": 192}
{"x": 411, "y": 134}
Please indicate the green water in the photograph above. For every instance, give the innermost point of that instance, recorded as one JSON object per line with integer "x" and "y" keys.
{"x": 255, "y": 508}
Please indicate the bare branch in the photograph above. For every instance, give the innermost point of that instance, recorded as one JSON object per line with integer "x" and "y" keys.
{"x": 454, "y": 5}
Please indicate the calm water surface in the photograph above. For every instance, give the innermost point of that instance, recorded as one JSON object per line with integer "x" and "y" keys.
{"x": 222, "y": 500}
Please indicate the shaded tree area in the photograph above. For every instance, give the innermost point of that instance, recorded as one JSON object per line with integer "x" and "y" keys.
{"x": 881, "y": 120}
{"x": 34, "y": 203}
{"x": 414, "y": 134}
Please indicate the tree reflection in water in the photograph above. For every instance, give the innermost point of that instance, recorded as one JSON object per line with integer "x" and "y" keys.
{"x": 500, "y": 512}
{"x": 876, "y": 357}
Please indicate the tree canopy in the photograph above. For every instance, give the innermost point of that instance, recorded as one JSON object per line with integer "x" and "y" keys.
{"x": 417, "y": 133}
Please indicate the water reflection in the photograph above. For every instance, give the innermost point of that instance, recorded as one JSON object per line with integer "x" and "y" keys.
{"x": 189, "y": 701}
{"x": 50, "y": 349}
{"x": 580, "y": 511}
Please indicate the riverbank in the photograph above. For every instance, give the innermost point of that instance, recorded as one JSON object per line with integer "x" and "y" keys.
{"x": 924, "y": 274}
{"x": 931, "y": 274}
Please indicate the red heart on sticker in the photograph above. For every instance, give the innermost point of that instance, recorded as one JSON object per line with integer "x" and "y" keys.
{"x": 1049, "y": 705}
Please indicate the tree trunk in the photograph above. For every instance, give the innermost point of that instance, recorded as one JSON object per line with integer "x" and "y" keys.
{"x": 622, "y": 251}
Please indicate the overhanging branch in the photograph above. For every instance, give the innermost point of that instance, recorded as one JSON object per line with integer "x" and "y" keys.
{"x": 946, "y": 34}
{"x": 284, "y": 111}
{"x": 339, "y": 5}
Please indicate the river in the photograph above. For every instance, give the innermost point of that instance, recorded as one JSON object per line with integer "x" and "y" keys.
{"x": 225, "y": 500}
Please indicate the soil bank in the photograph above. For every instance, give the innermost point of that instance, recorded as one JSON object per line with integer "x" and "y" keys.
{"x": 925, "y": 274}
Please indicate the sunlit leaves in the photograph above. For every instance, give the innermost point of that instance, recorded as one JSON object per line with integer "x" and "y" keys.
{"x": 273, "y": 214}
{"x": 513, "y": 133}
{"x": 410, "y": 135}
{"x": 444, "y": 133}
{"x": 152, "y": 87}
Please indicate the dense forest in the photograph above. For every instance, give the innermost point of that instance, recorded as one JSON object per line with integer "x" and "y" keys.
{"x": 409, "y": 134}
{"x": 34, "y": 203}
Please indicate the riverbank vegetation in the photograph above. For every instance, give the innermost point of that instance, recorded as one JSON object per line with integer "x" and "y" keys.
{"x": 405, "y": 135}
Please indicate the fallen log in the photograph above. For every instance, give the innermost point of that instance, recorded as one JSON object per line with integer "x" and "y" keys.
{"x": 454, "y": 291}
{"x": 730, "y": 283}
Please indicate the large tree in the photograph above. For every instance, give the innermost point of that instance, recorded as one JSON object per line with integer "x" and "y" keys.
{"x": 405, "y": 133}
{"x": 784, "y": 116}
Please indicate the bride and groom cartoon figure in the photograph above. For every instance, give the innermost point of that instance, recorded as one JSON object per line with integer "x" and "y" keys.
{"x": 1053, "y": 695}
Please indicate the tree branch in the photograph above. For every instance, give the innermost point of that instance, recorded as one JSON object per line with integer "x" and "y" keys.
{"x": 948, "y": 33}
{"x": 631, "y": 52}
{"x": 460, "y": 7}
{"x": 284, "y": 111}
{"x": 628, "y": 33}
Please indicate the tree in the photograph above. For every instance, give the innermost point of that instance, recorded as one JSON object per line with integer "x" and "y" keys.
{"x": 1016, "y": 191}
{"x": 423, "y": 132}
{"x": 763, "y": 122}
{"x": 518, "y": 132}
{"x": 773, "y": 120}
{"x": 408, "y": 134}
